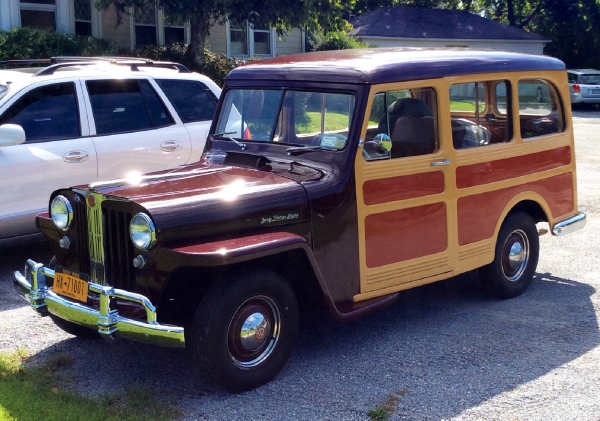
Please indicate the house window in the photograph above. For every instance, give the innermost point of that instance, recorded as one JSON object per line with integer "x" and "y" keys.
{"x": 238, "y": 35}
{"x": 151, "y": 26}
{"x": 174, "y": 30}
{"x": 145, "y": 25}
{"x": 262, "y": 40}
{"x": 83, "y": 18}
{"x": 249, "y": 40}
{"x": 39, "y": 14}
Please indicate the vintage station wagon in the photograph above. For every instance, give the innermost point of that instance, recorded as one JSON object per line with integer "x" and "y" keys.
{"x": 350, "y": 176}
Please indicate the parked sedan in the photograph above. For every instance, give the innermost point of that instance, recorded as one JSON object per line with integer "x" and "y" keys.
{"x": 80, "y": 122}
{"x": 584, "y": 86}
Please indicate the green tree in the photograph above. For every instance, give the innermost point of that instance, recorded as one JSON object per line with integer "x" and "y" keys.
{"x": 203, "y": 14}
{"x": 572, "y": 25}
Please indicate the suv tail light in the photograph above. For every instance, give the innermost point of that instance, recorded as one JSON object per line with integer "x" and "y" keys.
{"x": 576, "y": 88}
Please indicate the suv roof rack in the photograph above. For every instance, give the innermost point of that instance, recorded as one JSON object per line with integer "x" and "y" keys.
{"x": 133, "y": 62}
{"x": 26, "y": 61}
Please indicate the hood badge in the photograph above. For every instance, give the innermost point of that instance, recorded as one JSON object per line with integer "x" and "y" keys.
{"x": 279, "y": 218}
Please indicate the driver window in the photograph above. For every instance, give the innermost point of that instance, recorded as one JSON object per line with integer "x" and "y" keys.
{"x": 47, "y": 113}
{"x": 402, "y": 123}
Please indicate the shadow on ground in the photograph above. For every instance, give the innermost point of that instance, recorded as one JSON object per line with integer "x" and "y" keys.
{"x": 447, "y": 346}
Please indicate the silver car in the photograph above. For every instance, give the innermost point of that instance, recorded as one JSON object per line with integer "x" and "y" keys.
{"x": 584, "y": 86}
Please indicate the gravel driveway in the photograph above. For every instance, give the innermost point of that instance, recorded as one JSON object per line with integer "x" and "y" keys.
{"x": 443, "y": 351}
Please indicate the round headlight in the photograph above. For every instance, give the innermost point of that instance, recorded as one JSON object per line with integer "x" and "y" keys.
{"x": 61, "y": 212}
{"x": 142, "y": 231}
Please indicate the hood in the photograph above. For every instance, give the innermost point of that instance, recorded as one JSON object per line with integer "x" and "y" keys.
{"x": 204, "y": 199}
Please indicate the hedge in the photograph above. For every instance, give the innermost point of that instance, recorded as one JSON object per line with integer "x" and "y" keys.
{"x": 23, "y": 43}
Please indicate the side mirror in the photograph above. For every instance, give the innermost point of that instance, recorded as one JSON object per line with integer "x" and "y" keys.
{"x": 11, "y": 134}
{"x": 378, "y": 148}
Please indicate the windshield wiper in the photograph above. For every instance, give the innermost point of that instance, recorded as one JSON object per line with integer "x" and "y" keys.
{"x": 299, "y": 149}
{"x": 224, "y": 135}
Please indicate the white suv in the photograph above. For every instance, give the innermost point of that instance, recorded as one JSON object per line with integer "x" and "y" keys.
{"x": 76, "y": 122}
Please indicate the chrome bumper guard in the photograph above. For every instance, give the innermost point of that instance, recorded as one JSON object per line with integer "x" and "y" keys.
{"x": 32, "y": 287}
{"x": 569, "y": 225}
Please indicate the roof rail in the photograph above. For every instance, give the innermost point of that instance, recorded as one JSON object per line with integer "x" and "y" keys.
{"x": 133, "y": 62}
{"x": 26, "y": 61}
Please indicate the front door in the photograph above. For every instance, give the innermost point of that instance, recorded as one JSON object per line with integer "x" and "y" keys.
{"x": 57, "y": 153}
{"x": 404, "y": 207}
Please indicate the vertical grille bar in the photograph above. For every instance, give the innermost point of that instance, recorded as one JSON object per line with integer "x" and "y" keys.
{"x": 82, "y": 245}
{"x": 118, "y": 249}
{"x": 96, "y": 241}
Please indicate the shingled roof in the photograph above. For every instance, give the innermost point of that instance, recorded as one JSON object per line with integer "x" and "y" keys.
{"x": 415, "y": 23}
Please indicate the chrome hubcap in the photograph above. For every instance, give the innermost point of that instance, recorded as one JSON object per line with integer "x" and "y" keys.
{"x": 254, "y": 331}
{"x": 515, "y": 255}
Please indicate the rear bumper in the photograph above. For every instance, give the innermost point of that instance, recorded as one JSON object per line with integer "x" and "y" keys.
{"x": 567, "y": 226}
{"x": 579, "y": 99}
{"x": 32, "y": 287}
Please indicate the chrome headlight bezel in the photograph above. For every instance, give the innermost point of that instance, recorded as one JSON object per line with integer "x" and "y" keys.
{"x": 62, "y": 220}
{"x": 142, "y": 231}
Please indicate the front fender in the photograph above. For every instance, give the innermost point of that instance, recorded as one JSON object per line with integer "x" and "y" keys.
{"x": 235, "y": 250}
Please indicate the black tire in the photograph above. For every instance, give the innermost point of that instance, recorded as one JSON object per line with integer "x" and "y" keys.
{"x": 242, "y": 363}
{"x": 74, "y": 329}
{"x": 518, "y": 238}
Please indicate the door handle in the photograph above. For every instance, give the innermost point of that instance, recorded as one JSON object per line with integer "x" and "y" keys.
{"x": 74, "y": 157}
{"x": 170, "y": 146}
{"x": 440, "y": 163}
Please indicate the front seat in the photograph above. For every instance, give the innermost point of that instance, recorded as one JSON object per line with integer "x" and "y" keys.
{"x": 413, "y": 128}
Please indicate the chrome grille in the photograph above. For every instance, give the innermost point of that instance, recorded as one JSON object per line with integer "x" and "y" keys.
{"x": 82, "y": 244}
{"x": 96, "y": 241}
{"x": 118, "y": 247}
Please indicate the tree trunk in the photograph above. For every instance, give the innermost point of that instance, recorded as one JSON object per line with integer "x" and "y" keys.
{"x": 511, "y": 12}
{"x": 199, "y": 27}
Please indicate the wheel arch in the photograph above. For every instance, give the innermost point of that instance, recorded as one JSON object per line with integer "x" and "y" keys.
{"x": 530, "y": 203}
{"x": 186, "y": 286}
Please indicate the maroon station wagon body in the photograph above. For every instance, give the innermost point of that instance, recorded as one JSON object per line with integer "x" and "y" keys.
{"x": 235, "y": 241}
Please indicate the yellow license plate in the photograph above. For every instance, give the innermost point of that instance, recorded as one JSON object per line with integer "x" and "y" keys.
{"x": 70, "y": 284}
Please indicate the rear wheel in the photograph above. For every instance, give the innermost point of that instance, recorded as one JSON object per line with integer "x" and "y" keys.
{"x": 516, "y": 257}
{"x": 244, "y": 331}
{"x": 540, "y": 95}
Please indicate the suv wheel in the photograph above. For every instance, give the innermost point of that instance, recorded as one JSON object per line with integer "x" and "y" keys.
{"x": 517, "y": 251}
{"x": 244, "y": 331}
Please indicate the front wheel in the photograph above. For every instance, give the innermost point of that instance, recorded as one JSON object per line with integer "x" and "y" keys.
{"x": 516, "y": 257}
{"x": 244, "y": 331}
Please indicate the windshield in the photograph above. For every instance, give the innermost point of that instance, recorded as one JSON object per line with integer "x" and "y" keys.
{"x": 589, "y": 79}
{"x": 3, "y": 91}
{"x": 302, "y": 118}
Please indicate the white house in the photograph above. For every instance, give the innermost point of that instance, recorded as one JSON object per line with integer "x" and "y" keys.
{"x": 142, "y": 27}
{"x": 414, "y": 27}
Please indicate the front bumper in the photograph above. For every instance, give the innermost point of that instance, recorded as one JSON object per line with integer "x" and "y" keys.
{"x": 569, "y": 225}
{"x": 32, "y": 287}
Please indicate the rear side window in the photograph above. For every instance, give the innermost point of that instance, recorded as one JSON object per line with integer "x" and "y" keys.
{"x": 480, "y": 113}
{"x": 192, "y": 100}
{"x": 121, "y": 106}
{"x": 540, "y": 108}
{"x": 46, "y": 113}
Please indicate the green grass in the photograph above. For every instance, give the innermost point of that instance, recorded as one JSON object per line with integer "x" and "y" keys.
{"x": 465, "y": 106}
{"x": 34, "y": 393}
{"x": 333, "y": 121}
